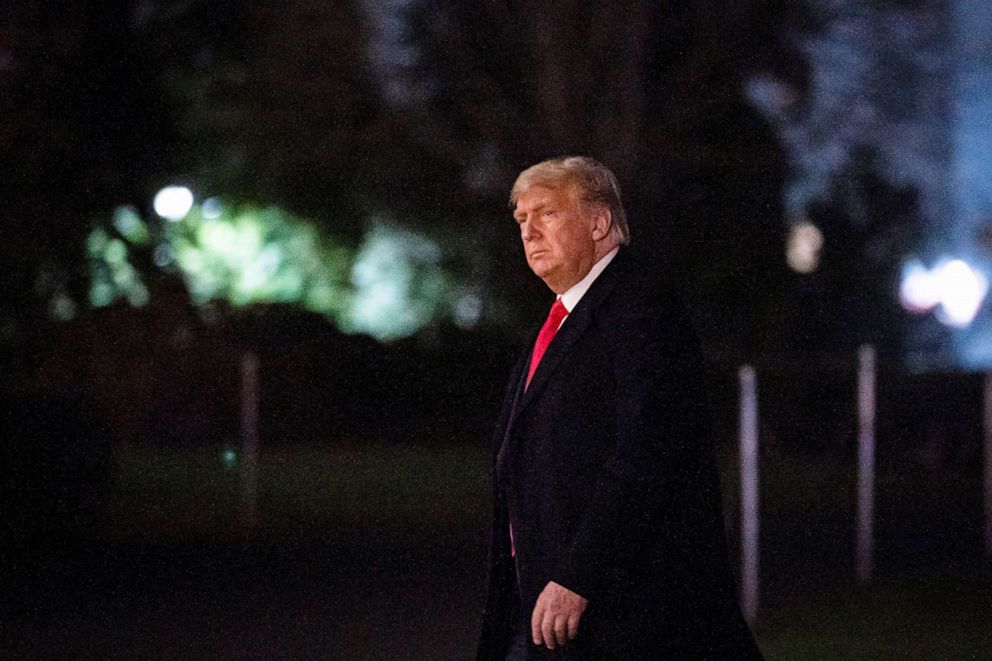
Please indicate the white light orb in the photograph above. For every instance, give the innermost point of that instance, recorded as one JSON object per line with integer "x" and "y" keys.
{"x": 173, "y": 202}
{"x": 919, "y": 290}
{"x": 962, "y": 290}
{"x": 803, "y": 250}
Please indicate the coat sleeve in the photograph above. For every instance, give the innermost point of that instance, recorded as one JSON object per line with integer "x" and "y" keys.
{"x": 498, "y": 613}
{"x": 661, "y": 443}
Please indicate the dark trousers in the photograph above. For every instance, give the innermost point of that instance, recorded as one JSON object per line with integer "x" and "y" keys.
{"x": 520, "y": 642}
{"x": 518, "y": 646}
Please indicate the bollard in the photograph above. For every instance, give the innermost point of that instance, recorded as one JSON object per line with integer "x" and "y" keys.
{"x": 866, "y": 463}
{"x": 249, "y": 441}
{"x": 750, "y": 522}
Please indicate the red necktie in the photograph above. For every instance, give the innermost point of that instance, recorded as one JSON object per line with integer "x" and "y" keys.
{"x": 548, "y": 330}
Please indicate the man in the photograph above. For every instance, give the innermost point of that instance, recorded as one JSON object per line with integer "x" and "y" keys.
{"x": 608, "y": 539}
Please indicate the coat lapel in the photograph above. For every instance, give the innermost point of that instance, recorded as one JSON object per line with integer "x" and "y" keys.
{"x": 575, "y": 326}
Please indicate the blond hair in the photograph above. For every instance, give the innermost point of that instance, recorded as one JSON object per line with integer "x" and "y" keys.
{"x": 594, "y": 181}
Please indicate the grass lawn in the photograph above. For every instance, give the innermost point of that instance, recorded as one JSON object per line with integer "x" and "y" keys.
{"x": 428, "y": 497}
{"x": 406, "y": 493}
{"x": 914, "y": 620}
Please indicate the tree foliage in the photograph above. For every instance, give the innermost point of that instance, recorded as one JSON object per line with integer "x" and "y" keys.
{"x": 286, "y": 104}
{"x": 82, "y": 130}
{"x": 280, "y": 106}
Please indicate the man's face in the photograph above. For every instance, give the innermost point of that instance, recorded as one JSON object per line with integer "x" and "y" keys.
{"x": 557, "y": 230}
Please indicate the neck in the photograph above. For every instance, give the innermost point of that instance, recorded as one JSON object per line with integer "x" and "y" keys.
{"x": 603, "y": 248}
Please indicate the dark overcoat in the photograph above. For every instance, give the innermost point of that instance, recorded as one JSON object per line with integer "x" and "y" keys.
{"x": 604, "y": 466}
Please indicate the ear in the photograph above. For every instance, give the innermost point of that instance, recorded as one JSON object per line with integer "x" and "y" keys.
{"x": 603, "y": 223}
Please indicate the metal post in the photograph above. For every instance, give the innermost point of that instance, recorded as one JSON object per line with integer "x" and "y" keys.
{"x": 866, "y": 463}
{"x": 987, "y": 417}
{"x": 750, "y": 522}
{"x": 249, "y": 440}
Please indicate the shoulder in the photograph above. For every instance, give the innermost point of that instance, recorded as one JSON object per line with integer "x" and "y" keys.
{"x": 649, "y": 335}
{"x": 644, "y": 298}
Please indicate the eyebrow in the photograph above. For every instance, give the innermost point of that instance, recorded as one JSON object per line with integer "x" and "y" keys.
{"x": 539, "y": 207}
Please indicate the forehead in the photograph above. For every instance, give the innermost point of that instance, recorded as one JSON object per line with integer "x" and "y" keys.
{"x": 540, "y": 195}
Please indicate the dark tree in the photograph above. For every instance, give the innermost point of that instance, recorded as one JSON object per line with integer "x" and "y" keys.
{"x": 83, "y": 128}
{"x": 655, "y": 90}
{"x": 280, "y": 105}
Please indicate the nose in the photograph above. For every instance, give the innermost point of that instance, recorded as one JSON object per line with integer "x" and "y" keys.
{"x": 527, "y": 230}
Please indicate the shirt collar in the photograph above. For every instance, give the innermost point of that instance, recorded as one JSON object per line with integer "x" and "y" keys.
{"x": 575, "y": 293}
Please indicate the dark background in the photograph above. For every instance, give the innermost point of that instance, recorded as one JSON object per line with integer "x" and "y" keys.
{"x": 124, "y": 527}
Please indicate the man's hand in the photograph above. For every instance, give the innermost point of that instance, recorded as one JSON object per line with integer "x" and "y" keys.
{"x": 555, "y": 620}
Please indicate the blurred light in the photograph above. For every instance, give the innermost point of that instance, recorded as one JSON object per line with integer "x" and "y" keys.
{"x": 468, "y": 310}
{"x": 62, "y": 308}
{"x": 962, "y": 290}
{"x": 321, "y": 298}
{"x": 136, "y": 294}
{"x": 115, "y": 252}
{"x": 219, "y": 238}
{"x": 96, "y": 242}
{"x": 919, "y": 290}
{"x": 804, "y": 245}
{"x": 229, "y": 457}
{"x": 101, "y": 294}
{"x": 270, "y": 258}
{"x": 391, "y": 287}
{"x": 212, "y": 208}
{"x": 769, "y": 94}
{"x": 953, "y": 287}
{"x": 397, "y": 283}
{"x": 162, "y": 255}
{"x": 189, "y": 259}
{"x": 124, "y": 274}
{"x": 129, "y": 224}
{"x": 173, "y": 202}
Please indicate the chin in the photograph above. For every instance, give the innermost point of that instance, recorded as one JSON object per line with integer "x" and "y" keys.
{"x": 541, "y": 265}
{"x": 541, "y": 271}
